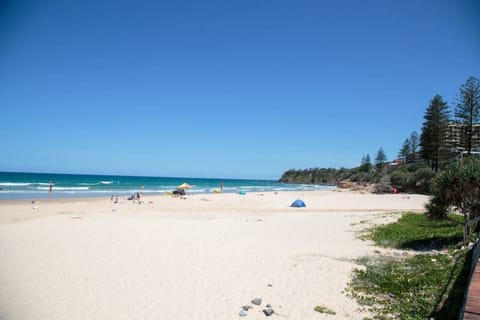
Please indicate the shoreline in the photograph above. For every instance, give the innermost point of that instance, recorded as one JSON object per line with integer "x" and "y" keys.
{"x": 200, "y": 257}
{"x": 123, "y": 197}
{"x": 124, "y": 193}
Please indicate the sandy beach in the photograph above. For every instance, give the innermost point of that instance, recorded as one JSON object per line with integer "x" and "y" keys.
{"x": 202, "y": 257}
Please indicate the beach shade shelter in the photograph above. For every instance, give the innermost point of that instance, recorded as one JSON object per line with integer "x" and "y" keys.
{"x": 298, "y": 203}
{"x": 184, "y": 186}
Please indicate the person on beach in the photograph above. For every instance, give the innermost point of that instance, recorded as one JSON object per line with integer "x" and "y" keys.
{"x": 51, "y": 186}
{"x": 221, "y": 186}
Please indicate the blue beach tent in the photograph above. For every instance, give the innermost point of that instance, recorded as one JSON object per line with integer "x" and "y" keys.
{"x": 298, "y": 203}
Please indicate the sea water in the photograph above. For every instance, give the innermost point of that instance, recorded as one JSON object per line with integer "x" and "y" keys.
{"x": 20, "y": 185}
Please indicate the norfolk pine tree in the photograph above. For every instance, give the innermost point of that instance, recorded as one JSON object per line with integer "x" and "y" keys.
{"x": 409, "y": 149}
{"x": 366, "y": 165}
{"x": 414, "y": 141}
{"x": 405, "y": 150}
{"x": 380, "y": 159}
{"x": 433, "y": 139}
{"x": 467, "y": 111}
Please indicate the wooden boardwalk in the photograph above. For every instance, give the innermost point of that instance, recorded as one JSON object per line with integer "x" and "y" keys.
{"x": 472, "y": 305}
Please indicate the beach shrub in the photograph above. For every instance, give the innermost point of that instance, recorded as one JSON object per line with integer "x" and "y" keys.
{"x": 361, "y": 176}
{"x": 457, "y": 189}
{"x": 400, "y": 179}
{"x": 414, "y": 178}
{"x": 422, "y": 179}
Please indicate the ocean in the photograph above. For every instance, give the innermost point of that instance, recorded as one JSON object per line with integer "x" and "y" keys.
{"x": 21, "y": 185}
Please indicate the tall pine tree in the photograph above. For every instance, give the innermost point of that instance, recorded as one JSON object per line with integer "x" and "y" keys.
{"x": 380, "y": 159}
{"x": 414, "y": 141}
{"x": 433, "y": 139}
{"x": 405, "y": 151}
{"x": 409, "y": 149}
{"x": 467, "y": 112}
{"x": 366, "y": 165}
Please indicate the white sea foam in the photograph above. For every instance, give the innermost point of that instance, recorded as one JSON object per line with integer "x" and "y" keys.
{"x": 283, "y": 189}
{"x": 64, "y": 188}
{"x": 251, "y": 187}
{"x": 15, "y": 184}
{"x": 105, "y": 182}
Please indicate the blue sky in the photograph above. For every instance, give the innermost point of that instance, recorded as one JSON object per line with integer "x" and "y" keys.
{"x": 228, "y": 89}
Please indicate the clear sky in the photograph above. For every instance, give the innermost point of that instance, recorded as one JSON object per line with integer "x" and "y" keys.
{"x": 228, "y": 89}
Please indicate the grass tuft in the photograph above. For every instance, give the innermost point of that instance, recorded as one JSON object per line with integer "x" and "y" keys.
{"x": 323, "y": 309}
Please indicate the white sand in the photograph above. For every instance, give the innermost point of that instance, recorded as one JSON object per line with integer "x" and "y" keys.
{"x": 197, "y": 258}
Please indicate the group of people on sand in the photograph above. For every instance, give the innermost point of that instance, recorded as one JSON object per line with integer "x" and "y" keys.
{"x": 134, "y": 197}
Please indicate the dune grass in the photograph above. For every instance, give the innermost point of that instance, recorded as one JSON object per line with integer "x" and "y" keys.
{"x": 428, "y": 283}
{"x": 416, "y": 232}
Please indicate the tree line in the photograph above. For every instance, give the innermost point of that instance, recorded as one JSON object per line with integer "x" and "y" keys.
{"x": 446, "y": 136}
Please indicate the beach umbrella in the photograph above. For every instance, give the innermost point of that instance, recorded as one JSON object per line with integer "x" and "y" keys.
{"x": 298, "y": 203}
{"x": 184, "y": 186}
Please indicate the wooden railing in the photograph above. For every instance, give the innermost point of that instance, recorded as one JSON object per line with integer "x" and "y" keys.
{"x": 471, "y": 302}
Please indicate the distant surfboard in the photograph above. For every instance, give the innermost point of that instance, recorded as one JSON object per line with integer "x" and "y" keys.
{"x": 217, "y": 191}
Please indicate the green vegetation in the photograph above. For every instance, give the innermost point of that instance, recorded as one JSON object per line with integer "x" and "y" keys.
{"x": 314, "y": 176}
{"x": 417, "y": 232}
{"x": 323, "y": 309}
{"x": 414, "y": 177}
{"x": 459, "y": 187}
{"x": 424, "y": 285}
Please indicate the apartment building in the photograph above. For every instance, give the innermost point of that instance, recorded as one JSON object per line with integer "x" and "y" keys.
{"x": 457, "y": 134}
